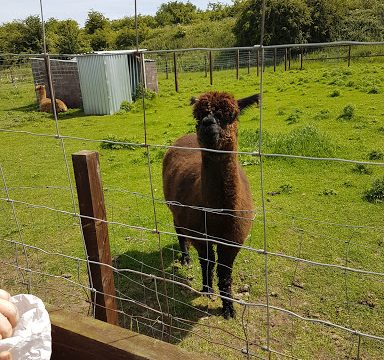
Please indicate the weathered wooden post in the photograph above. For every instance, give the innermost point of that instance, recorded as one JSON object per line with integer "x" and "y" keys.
{"x": 349, "y": 55}
{"x": 166, "y": 66}
{"x": 210, "y": 68}
{"x": 274, "y": 59}
{"x": 257, "y": 62}
{"x": 175, "y": 71}
{"x": 205, "y": 65}
{"x": 249, "y": 62}
{"x": 289, "y": 58}
{"x": 285, "y": 59}
{"x": 95, "y": 230}
{"x": 237, "y": 63}
{"x": 301, "y": 58}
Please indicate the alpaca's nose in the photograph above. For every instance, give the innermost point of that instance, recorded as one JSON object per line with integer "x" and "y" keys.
{"x": 209, "y": 120}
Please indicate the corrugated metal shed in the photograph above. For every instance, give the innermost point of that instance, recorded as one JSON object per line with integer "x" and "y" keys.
{"x": 107, "y": 79}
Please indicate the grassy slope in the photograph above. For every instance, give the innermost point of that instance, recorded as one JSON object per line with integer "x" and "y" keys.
{"x": 303, "y": 98}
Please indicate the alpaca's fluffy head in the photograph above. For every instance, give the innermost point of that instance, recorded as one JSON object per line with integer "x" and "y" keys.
{"x": 216, "y": 114}
{"x": 40, "y": 89}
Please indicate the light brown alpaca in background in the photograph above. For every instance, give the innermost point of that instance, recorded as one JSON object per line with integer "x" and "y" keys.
{"x": 45, "y": 104}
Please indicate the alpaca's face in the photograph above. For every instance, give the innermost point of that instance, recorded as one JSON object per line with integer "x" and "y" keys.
{"x": 216, "y": 115}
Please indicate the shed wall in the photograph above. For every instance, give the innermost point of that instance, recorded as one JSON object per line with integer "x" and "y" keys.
{"x": 65, "y": 78}
{"x": 105, "y": 82}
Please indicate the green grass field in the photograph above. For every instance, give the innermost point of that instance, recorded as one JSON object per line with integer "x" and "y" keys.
{"x": 315, "y": 210}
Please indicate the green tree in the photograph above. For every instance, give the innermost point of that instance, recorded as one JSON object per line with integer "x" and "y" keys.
{"x": 326, "y": 16}
{"x": 70, "y": 38}
{"x": 95, "y": 21}
{"x": 102, "y": 39}
{"x": 362, "y": 25}
{"x": 175, "y": 12}
{"x": 286, "y": 21}
{"x": 125, "y": 39}
{"x": 32, "y": 34}
{"x": 22, "y": 36}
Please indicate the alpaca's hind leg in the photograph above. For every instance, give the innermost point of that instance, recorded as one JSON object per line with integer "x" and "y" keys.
{"x": 226, "y": 257}
{"x": 207, "y": 262}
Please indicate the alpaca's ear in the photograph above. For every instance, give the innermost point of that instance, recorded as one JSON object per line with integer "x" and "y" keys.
{"x": 193, "y": 100}
{"x": 248, "y": 101}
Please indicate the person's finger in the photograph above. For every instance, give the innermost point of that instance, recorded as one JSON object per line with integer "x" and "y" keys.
{"x": 4, "y": 295}
{"x": 6, "y": 329}
{"x": 10, "y": 311}
{"x": 5, "y": 355}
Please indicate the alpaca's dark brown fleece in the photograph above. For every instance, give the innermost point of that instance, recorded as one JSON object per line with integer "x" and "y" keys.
{"x": 205, "y": 179}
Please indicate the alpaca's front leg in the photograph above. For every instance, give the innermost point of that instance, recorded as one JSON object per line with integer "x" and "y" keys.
{"x": 207, "y": 262}
{"x": 226, "y": 257}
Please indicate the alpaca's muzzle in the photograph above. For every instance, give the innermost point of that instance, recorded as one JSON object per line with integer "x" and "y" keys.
{"x": 209, "y": 120}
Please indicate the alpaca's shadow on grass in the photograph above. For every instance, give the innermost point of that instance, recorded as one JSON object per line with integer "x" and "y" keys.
{"x": 27, "y": 108}
{"x": 70, "y": 114}
{"x": 145, "y": 299}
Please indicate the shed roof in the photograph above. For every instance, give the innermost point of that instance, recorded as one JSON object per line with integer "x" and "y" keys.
{"x": 112, "y": 52}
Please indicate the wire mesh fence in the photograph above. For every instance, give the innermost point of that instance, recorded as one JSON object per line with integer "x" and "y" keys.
{"x": 308, "y": 280}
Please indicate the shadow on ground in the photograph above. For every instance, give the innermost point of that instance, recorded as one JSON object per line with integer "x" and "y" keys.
{"x": 147, "y": 300}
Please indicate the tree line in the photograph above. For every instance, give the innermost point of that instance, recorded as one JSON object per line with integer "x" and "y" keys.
{"x": 183, "y": 25}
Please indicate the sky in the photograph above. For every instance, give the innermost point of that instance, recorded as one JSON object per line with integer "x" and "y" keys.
{"x": 78, "y": 9}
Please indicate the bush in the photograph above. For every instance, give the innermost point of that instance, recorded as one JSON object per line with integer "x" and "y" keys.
{"x": 249, "y": 140}
{"x": 362, "y": 169}
{"x": 148, "y": 94}
{"x": 373, "y": 90}
{"x": 376, "y": 155}
{"x": 304, "y": 141}
{"x": 286, "y": 188}
{"x": 376, "y": 193}
{"x": 125, "y": 106}
{"x": 294, "y": 117}
{"x": 335, "y": 93}
{"x": 348, "y": 112}
{"x": 322, "y": 114}
{"x": 329, "y": 192}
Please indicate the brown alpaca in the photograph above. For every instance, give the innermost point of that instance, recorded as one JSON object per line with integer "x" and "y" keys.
{"x": 205, "y": 179}
{"x": 45, "y": 104}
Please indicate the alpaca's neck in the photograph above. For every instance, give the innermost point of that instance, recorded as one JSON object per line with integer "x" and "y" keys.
{"x": 42, "y": 94}
{"x": 220, "y": 179}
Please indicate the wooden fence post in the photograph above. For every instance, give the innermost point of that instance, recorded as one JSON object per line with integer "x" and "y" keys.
{"x": 301, "y": 58}
{"x": 95, "y": 230}
{"x": 285, "y": 59}
{"x": 274, "y": 59}
{"x": 166, "y": 66}
{"x": 237, "y": 63}
{"x": 289, "y": 58}
{"x": 349, "y": 55}
{"x": 175, "y": 71}
{"x": 249, "y": 62}
{"x": 210, "y": 68}
{"x": 257, "y": 62}
{"x": 205, "y": 65}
